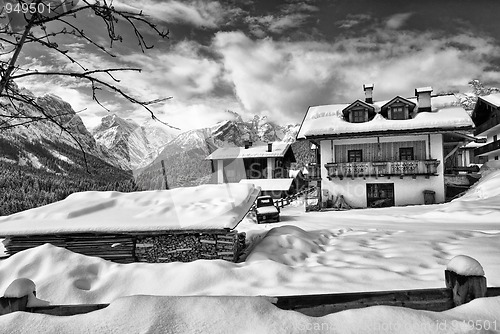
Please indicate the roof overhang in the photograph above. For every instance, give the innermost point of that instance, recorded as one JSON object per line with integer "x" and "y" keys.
{"x": 386, "y": 133}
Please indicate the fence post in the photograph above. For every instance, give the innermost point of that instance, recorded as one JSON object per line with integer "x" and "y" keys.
{"x": 16, "y": 296}
{"x": 465, "y": 276}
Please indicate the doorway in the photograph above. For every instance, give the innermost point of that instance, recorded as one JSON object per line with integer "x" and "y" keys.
{"x": 379, "y": 195}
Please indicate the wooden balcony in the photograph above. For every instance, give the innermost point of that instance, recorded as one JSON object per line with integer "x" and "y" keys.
{"x": 382, "y": 168}
{"x": 493, "y": 146}
{"x": 492, "y": 122}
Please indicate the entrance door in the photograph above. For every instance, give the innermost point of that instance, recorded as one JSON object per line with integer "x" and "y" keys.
{"x": 379, "y": 194}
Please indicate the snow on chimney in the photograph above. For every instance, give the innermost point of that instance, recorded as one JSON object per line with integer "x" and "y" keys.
{"x": 423, "y": 95}
{"x": 269, "y": 147}
{"x": 368, "y": 88}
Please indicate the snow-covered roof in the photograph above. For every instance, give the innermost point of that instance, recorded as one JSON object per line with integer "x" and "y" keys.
{"x": 204, "y": 207}
{"x": 279, "y": 150}
{"x": 325, "y": 120}
{"x": 270, "y": 184}
{"x": 492, "y": 99}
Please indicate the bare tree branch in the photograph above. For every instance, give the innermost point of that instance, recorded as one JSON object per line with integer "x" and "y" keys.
{"x": 36, "y": 31}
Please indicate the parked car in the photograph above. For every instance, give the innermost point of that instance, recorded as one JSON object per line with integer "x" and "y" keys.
{"x": 266, "y": 211}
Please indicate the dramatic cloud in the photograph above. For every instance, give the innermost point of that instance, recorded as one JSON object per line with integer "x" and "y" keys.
{"x": 208, "y": 14}
{"x": 353, "y": 20}
{"x": 283, "y": 78}
{"x": 398, "y": 20}
{"x": 290, "y": 16}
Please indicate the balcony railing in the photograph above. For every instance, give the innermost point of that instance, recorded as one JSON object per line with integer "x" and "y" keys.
{"x": 382, "y": 168}
{"x": 493, "y": 121}
{"x": 493, "y": 146}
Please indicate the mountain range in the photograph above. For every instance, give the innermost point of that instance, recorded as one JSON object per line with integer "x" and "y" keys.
{"x": 122, "y": 147}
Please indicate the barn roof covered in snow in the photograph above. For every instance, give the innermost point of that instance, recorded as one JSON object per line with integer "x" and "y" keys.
{"x": 328, "y": 120}
{"x": 206, "y": 207}
{"x": 279, "y": 149}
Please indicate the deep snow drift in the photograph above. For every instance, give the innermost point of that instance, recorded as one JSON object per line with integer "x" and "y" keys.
{"x": 221, "y": 315}
{"x": 357, "y": 250}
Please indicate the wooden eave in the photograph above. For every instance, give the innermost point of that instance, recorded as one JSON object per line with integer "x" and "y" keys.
{"x": 386, "y": 133}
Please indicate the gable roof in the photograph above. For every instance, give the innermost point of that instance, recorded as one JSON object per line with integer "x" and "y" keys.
{"x": 398, "y": 99}
{"x": 279, "y": 150}
{"x": 327, "y": 120}
{"x": 357, "y": 103}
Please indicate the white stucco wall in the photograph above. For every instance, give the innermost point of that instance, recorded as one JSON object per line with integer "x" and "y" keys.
{"x": 406, "y": 191}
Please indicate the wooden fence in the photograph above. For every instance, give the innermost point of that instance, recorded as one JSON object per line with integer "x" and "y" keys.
{"x": 459, "y": 289}
{"x": 282, "y": 202}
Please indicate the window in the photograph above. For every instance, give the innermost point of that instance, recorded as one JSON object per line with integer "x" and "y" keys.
{"x": 355, "y": 155}
{"x": 398, "y": 113}
{"x": 496, "y": 157}
{"x": 495, "y": 138}
{"x": 406, "y": 153}
{"x": 358, "y": 116}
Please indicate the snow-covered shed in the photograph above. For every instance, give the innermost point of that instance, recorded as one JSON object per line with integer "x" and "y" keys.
{"x": 181, "y": 224}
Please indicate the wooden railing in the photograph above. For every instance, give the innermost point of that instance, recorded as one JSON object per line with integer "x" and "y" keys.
{"x": 282, "y": 202}
{"x": 487, "y": 148}
{"x": 493, "y": 121}
{"x": 382, "y": 168}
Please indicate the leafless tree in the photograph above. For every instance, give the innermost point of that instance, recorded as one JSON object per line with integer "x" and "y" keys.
{"x": 32, "y": 22}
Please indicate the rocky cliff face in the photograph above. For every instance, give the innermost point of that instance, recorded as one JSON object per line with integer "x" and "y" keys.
{"x": 43, "y": 133}
{"x": 134, "y": 145}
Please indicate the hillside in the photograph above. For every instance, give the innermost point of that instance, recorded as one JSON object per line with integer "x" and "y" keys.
{"x": 41, "y": 164}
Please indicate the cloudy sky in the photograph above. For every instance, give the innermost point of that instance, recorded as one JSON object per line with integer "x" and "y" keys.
{"x": 276, "y": 58}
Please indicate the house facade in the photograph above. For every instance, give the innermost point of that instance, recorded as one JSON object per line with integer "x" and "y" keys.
{"x": 384, "y": 153}
{"x": 486, "y": 117}
{"x": 233, "y": 164}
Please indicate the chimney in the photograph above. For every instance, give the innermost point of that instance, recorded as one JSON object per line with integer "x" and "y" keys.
{"x": 247, "y": 144}
{"x": 423, "y": 95}
{"x": 368, "y": 88}
{"x": 269, "y": 147}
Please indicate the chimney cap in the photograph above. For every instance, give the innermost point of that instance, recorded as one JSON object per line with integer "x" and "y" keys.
{"x": 367, "y": 86}
{"x": 419, "y": 90}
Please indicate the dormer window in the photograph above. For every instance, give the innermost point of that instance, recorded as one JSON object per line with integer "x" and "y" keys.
{"x": 398, "y": 112}
{"x": 359, "y": 112}
{"x": 398, "y": 108}
{"x": 359, "y": 116}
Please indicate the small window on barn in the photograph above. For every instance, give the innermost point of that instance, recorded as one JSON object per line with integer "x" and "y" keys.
{"x": 358, "y": 116}
{"x": 398, "y": 112}
{"x": 355, "y": 155}
{"x": 406, "y": 153}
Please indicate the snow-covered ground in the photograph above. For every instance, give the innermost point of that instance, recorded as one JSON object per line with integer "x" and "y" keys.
{"x": 321, "y": 252}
